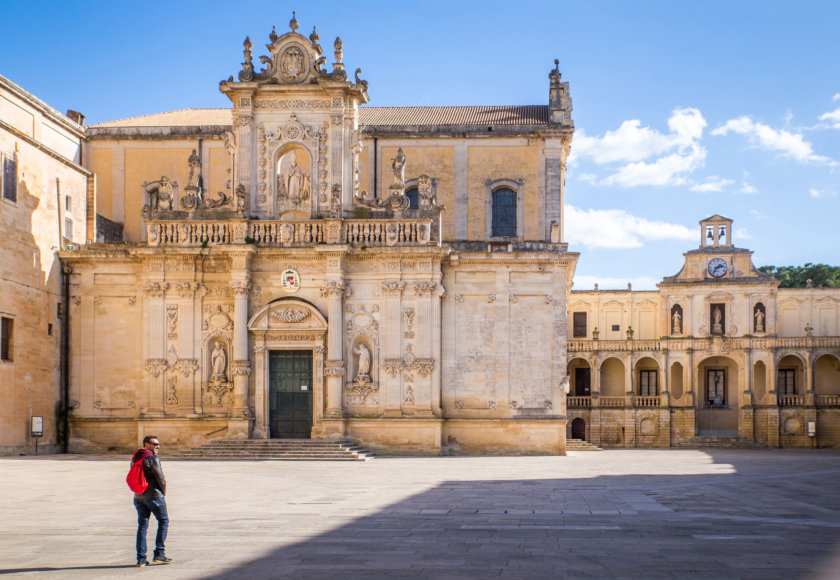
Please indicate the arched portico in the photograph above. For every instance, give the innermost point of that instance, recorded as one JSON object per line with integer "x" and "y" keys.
{"x": 718, "y": 379}
{"x": 284, "y": 326}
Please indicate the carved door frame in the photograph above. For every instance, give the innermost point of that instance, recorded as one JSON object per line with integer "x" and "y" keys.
{"x": 268, "y": 331}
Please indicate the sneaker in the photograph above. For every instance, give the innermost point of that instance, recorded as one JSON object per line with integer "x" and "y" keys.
{"x": 162, "y": 559}
{"x": 141, "y": 563}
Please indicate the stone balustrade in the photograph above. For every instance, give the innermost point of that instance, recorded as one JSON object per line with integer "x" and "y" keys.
{"x": 827, "y": 400}
{"x": 791, "y": 400}
{"x": 611, "y": 401}
{"x": 647, "y": 401}
{"x": 579, "y": 402}
{"x": 703, "y": 344}
{"x": 361, "y": 232}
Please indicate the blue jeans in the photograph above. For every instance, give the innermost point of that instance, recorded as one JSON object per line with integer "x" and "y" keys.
{"x": 145, "y": 508}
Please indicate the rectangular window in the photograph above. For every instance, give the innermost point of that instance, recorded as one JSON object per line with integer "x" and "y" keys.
{"x": 8, "y": 168}
{"x": 787, "y": 382}
{"x": 716, "y": 388}
{"x": 68, "y": 203}
{"x": 68, "y": 228}
{"x": 647, "y": 383}
{"x": 579, "y": 325}
{"x": 7, "y": 339}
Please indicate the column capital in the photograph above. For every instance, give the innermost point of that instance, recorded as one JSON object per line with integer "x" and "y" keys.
{"x": 240, "y": 287}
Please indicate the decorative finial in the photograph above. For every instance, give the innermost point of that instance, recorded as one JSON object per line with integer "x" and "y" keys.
{"x": 248, "y": 44}
{"x": 314, "y": 38}
{"x": 293, "y": 23}
{"x": 247, "y": 72}
{"x": 557, "y": 64}
{"x": 273, "y": 36}
{"x": 339, "y": 49}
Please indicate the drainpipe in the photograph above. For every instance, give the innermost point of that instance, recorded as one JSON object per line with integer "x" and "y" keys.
{"x": 66, "y": 270}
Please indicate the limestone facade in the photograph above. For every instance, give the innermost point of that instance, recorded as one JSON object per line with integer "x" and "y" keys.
{"x": 43, "y": 197}
{"x": 413, "y": 270}
{"x": 718, "y": 350}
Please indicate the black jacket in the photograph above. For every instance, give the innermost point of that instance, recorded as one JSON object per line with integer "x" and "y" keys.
{"x": 154, "y": 475}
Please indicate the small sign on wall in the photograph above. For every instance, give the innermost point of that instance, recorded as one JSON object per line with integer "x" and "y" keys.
{"x": 37, "y": 427}
{"x": 812, "y": 428}
{"x": 304, "y": 387}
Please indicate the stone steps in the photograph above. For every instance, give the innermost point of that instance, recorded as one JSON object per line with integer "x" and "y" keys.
{"x": 719, "y": 442}
{"x": 581, "y": 445}
{"x": 278, "y": 450}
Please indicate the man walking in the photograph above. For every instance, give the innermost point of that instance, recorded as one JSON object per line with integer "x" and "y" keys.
{"x": 151, "y": 501}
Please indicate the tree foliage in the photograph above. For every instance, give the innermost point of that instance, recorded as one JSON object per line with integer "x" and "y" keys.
{"x": 820, "y": 275}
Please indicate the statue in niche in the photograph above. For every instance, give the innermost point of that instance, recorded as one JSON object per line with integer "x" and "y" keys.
{"x": 195, "y": 171}
{"x": 162, "y": 192}
{"x": 398, "y": 165}
{"x": 240, "y": 198}
{"x": 293, "y": 181}
{"x": 219, "y": 362}
{"x": 676, "y": 323}
{"x": 759, "y": 320}
{"x": 364, "y": 361}
{"x": 717, "y": 317}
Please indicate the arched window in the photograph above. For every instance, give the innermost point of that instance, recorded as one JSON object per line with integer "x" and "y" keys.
{"x": 504, "y": 213}
{"x": 411, "y": 194}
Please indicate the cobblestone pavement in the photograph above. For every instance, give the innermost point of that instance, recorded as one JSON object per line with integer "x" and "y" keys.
{"x": 612, "y": 514}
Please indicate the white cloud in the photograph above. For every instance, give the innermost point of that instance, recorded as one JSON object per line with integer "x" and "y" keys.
{"x": 588, "y": 177}
{"x": 607, "y": 283}
{"x": 615, "y": 228}
{"x": 765, "y": 137}
{"x": 741, "y": 234}
{"x": 836, "y": 97}
{"x": 679, "y": 151}
{"x": 832, "y": 117}
{"x": 712, "y": 184}
{"x": 758, "y": 215}
{"x": 817, "y": 194}
{"x": 747, "y": 189}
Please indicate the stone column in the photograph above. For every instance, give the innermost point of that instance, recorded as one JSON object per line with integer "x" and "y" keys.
{"x": 189, "y": 392}
{"x": 555, "y": 170}
{"x": 391, "y": 346}
{"x": 426, "y": 362}
{"x": 261, "y": 428}
{"x": 335, "y": 368}
{"x": 156, "y": 332}
{"x": 773, "y": 438}
{"x": 241, "y": 364}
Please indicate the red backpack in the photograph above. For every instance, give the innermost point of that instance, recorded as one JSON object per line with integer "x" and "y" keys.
{"x": 136, "y": 479}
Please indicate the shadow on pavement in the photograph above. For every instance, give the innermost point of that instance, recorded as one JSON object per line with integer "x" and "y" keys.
{"x": 743, "y": 522}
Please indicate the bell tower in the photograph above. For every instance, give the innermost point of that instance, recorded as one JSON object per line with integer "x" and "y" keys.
{"x": 716, "y": 231}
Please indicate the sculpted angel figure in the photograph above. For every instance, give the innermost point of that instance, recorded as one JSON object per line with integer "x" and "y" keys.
{"x": 398, "y": 165}
{"x": 219, "y": 360}
{"x": 163, "y": 192}
{"x": 195, "y": 170}
{"x": 364, "y": 360}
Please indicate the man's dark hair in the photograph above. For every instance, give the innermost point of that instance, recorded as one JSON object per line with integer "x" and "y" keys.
{"x": 148, "y": 438}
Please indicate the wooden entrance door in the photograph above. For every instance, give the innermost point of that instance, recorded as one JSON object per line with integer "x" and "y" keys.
{"x": 583, "y": 378}
{"x": 290, "y": 394}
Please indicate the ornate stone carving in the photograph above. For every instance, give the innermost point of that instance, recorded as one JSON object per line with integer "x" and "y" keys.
{"x": 218, "y": 389}
{"x": 290, "y": 315}
{"x": 132, "y": 300}
{"x": 291, "y": 104}
{"x": 408, "y": 399}
{"x": 186, "y": 366}
{"x": 491, "y": 299}
{"x": 513, "y": 299}
{"x": 459, "y": 404}
{"x": 218, "y": 361}
{"x": 421, "y": 288}
{"x": 161, "y": 194}
{"x": 156, "y": 366}
{"x": 491, "y": 404}
{"x": 459, "y": 299}
{"x": 549, "y": 298}
{"x": 335, "y": 287}
{"x": 156, "y": 289}
{"x": 172, "y": 390}
{"x": 364, "y": 361}
{"x": 334, "y": 368}
{"x": 240, "y": 287}
{"x": 391, "y": 288}
{"x": 259, "y": 349}
{"x": 172, "y": 320}
{"x": 77, "y": 300}
{"x": 547, "y": 405}
{"x": 513, "y": 404}
{"x": 240, "y": 368}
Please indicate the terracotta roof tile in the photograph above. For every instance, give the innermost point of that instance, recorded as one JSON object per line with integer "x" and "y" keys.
{"x": 376, "y": 116}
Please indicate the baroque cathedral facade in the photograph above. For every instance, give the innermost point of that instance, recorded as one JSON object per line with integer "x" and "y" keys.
{"x": 303, "y": 265}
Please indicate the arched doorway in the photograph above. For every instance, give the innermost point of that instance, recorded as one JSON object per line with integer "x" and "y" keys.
{"x": 579, "y": 429}
{"x": 717, "y": 397}
{"x": 580, "y": 375}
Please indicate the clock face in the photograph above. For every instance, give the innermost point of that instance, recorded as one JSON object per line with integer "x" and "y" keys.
{"x": 717, "y": 267}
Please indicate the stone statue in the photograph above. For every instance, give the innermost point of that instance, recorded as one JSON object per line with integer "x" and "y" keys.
{"x": 296, "y": 182}
{"x": 676, "y": 325}
{"x": 195, "y": 171}
{"x": 219, "y": 360}
{"x": 398, "y": 165}
{"x": 717, "y": 317}
{"x": 759, "y": 320}
{"x": 364, "y": 361}
{"x": 240, "y": 197}
{"x": 162, "y": 193}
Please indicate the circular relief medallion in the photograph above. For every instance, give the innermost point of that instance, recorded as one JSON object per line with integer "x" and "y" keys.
{"x": 289, "y": 280}
{"x": 294, "y": 63}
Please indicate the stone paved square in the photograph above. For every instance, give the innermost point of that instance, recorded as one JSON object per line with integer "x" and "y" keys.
{"x": 613, "y": 514}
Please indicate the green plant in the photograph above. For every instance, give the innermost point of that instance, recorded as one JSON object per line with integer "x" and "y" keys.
{"x": 250, "y": 240}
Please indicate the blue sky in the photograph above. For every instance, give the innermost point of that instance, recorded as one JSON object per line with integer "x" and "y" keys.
{"x": 682, "y": 109}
